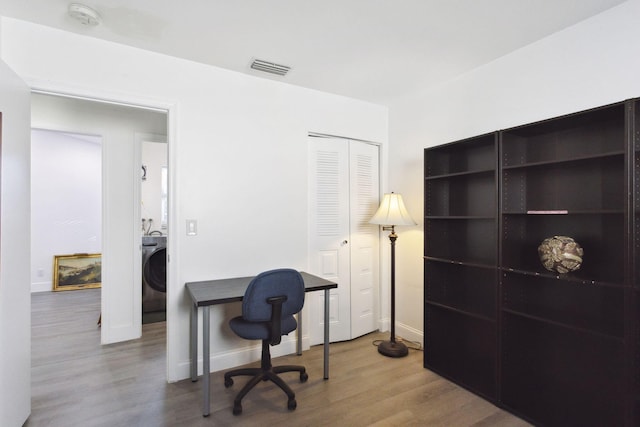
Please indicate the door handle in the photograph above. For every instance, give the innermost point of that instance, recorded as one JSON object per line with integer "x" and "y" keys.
{"x": 344, "y": 242}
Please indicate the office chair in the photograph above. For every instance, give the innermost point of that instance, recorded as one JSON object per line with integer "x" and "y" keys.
{"x": 268, "y": 306}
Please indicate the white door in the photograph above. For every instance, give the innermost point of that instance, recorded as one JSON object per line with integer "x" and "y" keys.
{"x": 364, "y": 240}
{"x": 329, "y": 234}
{"x": 343, "y": 246}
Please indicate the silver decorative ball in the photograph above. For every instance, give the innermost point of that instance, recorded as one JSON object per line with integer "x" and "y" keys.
{"x": 560, "y": 254}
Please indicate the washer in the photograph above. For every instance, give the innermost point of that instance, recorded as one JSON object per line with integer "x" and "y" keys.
{"x": 154, "y": 273}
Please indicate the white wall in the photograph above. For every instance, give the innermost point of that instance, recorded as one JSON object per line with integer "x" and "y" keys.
{"x": 593, "y": 63}
{"x": 15, "y": 298}
{"x": 66, "y": 200}
{"x": 237, "y": 150}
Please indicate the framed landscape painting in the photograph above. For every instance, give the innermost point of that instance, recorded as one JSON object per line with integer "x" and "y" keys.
{"x": 77, "y": 271}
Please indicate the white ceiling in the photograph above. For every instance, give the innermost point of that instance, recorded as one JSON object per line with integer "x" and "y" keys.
{"x": 374, "y": 50}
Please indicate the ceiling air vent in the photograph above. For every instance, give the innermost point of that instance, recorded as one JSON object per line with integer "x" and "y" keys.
{"x": 270, "y": 67}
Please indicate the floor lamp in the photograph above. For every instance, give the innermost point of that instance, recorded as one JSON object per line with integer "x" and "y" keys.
{"x": 391, "y": 213}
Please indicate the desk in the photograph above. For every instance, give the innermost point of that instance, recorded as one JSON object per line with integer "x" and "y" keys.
{"x": 212, "y": 292}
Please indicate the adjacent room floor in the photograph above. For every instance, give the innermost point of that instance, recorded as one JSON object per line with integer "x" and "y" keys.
{"x": 78, "y": 382}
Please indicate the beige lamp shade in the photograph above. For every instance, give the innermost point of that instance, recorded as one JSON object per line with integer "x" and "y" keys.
{"x": 392, "y": 212}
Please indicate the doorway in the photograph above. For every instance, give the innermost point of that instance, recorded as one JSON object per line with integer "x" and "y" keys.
{"x": 121, "y": 254}
{"x": 154, "y": 211}
{"x": 66, "y": 202}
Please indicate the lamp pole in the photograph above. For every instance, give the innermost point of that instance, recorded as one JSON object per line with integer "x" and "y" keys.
{"x": 392, "y": 211}
{"x": 392, "y": 348}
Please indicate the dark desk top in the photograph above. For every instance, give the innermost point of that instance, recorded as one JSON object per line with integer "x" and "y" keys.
{"x": 222, "y": 291}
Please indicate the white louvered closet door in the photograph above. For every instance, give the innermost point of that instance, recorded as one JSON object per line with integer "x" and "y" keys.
{"x": 343, "y": 246}
{"x": 364, "y": 241}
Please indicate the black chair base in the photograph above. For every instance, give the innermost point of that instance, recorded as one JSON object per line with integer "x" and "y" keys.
{"x": 265, "y": 373}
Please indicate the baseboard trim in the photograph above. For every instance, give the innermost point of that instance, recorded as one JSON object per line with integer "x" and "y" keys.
{"x": 409, "y": 333}
{"x": 41, "y": 287}
{"x": 402, "y": 330}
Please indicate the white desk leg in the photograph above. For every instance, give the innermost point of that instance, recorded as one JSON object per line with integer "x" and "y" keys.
{"x": 205, "y": 361}
{"x": 299, "y": 335}
{"x": 193, "y": 348}
{"x": 326, "y": 334}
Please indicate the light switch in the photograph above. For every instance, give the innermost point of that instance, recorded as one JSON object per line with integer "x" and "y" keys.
{"x": 192, "y": 227}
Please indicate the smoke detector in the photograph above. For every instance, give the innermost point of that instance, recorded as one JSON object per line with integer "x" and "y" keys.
{"x": 84, "y": 14}
{"x": 270, "y": 67}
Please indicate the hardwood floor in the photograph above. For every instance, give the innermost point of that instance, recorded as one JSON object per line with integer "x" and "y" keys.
{"x": 77, "y": 382}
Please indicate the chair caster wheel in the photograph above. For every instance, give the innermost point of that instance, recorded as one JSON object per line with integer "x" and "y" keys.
{"x": 228, "y": 382}
{"x": 292, "y": 404}
{"x": 237, "y": 409}
{"x": 304, "y": 377}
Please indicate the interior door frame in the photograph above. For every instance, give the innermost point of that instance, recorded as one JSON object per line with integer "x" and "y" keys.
{"x": 170, "y": 109}
{"x": 0, "y": 172}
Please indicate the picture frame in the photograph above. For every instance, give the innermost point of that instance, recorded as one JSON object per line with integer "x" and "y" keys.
{"x": 77, "y": 271}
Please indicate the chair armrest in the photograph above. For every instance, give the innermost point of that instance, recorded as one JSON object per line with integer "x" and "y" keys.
{"x": 276, "y": 318}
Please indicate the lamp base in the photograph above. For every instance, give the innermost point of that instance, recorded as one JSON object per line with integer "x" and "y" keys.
{"x": 393, "y": 349}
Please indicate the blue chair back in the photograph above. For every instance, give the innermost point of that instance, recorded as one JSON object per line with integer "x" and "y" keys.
{"x": 281, "y": 282}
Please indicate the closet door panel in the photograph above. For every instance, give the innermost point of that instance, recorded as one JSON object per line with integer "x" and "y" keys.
{"x": 329, "y": 254}
{"x": 364, "y": 197}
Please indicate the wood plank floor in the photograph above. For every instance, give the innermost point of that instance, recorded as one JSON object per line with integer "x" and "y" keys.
{"x": 77, "y": 382}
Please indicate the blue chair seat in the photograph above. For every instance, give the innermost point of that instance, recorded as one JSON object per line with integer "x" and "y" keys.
{"x": 260, "y": 331}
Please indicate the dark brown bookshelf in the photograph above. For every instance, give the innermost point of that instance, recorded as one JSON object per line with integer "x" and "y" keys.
{"x": 633, "y": 353}
{"x": 461, "y": 231}
{"x": 555, "y": 349}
